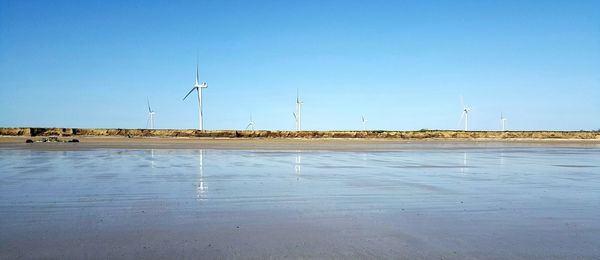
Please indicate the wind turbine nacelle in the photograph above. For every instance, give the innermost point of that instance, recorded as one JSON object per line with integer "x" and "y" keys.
{"x": 204, "y": 85}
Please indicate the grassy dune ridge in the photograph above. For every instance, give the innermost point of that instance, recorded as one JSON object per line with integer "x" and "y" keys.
{"x": 421, "y": 134}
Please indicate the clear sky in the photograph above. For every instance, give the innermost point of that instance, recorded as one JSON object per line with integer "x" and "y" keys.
{"x": 401, "y": 64}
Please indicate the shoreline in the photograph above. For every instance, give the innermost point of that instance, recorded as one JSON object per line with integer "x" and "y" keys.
{"x": 340, "y": 144}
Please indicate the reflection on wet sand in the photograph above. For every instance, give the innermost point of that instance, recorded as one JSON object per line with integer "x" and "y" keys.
{"x": 412, "y": 204}
{"x": 201, "y": 187}
{"x": 298, "y": 164}
{"x": 465, "y": 167}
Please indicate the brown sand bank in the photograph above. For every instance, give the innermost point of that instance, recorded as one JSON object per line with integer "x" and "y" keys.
{"x": 423, "y": 134}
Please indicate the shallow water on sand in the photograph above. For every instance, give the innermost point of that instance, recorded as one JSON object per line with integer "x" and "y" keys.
{"x": 481, "y": 202}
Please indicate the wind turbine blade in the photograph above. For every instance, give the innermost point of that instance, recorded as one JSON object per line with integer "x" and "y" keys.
{"x": 149, "y": 109}
{"x": 295, "y": 117}
{"x": 188, "y": 93}
{"x": 197, "y": 62}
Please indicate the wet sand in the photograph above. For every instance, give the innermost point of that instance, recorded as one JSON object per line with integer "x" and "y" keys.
{"x": 115, "y": 142}
{"x": 223, "y": 199}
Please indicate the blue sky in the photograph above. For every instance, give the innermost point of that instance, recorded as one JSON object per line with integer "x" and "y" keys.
{"x": 402, "y": 64}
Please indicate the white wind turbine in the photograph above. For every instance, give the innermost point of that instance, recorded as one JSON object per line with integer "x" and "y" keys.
{"x": 503, "y": 122}
{"x": 250, "y": 124}
{"x": 465, "y": 114}
{"x": 151, "y": 115}
{"x": 364, "y": 123}
{"x": 198, "y": 87}
{"x": 298, "y": 113}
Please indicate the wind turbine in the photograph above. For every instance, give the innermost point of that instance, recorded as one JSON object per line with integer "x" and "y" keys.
{"x": 198, "y": 87}
{"x": 251, "y": 124}
{"x": 151, "y": 115}
{"x": 503, "y": 121}
{"x": 298, "y": 113}
{"x": 465, "y": 114}
{"x": 364, "y": 123}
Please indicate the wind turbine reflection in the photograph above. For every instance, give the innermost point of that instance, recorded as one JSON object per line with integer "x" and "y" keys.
{"x": 201, "y": 187}
{"x": 465, "y": 166}
{"x": 298, "y": 164}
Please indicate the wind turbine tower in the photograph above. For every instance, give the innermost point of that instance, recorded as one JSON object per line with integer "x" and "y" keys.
{"x": 198, "y": 87}
{"x": 465, "y": 114}
{"x": 298, "y": 113}
{"x": 503, "y": 121}
{"x": 151, "y": 116}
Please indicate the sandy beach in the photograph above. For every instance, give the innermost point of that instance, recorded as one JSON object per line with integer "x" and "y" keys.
{"x": 93, "y": 142}
{"x": 153, "y": 198}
